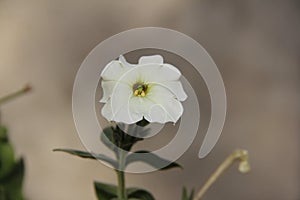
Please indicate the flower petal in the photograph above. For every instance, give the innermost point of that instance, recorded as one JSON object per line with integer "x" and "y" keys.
{"x": 106, "y": 111}
{"x": 108, "y": 87}
{"x": 124, "y": 61}
{"x": 115, "y": 69}
{"x": 157, "y": 73}
{"x": 176, "y": 88}
{"x": 162, "y": 101}
{"x": 165, "y": 108}
{"x": 140, "y": 105}
{"x": 158, "y": 114}
{"x": 120, "y": 101}
{"x": 155, "y": 59}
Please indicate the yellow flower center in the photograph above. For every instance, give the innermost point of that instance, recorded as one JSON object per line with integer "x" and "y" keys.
{"x": 140, "y": 89}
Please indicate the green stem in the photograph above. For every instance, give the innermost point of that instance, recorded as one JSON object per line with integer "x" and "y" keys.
{"x": 13, "y": 95}
{"x": 121, "y": 176}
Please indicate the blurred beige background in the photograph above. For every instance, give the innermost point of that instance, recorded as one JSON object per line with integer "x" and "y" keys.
{"x": 255, "y": 44}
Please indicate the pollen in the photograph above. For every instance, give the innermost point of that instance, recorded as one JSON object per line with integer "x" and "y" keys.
{"x": 140, "y": 89}
{"x": 136, "y": 93}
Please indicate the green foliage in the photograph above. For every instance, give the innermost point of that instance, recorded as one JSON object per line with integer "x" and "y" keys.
{"x": 106, "y": 191}
{"x": 136, "y": 193}
{"x": 139, "y": 156}
{"x": 117, "y": 140}
{"x": 93, "y": 156}
{"x": 7, "y": 157}
{"x": 115, "y": 135}
{"x": 186, "y": 196}
{"x": 151, "y": 159}
{"x": 11, "y": 171}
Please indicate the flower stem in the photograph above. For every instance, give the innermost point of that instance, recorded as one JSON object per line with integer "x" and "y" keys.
{"x": 237, "y": 155}
{"x": 121, "y": 186}
{"x": 121, "y": 176}
{"x": 13, "y": 95}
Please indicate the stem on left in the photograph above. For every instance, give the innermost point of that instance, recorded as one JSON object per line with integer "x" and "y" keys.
{"x": 121, "y": 176}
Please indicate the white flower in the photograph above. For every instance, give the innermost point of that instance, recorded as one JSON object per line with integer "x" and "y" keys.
{"x": 150, "y": 89}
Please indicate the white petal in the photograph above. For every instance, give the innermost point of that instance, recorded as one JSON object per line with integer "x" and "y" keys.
{"x": 155, "y": 59}
{"x": 166, "y": 109}
{"x": 157, "y": 114}
{"x": 171, "y": 68}
{"x": 124, "y": 61}
{"x": 176, "y": 88}
{"x": 162, "y": 102}
{"x": 140, "y": 105}
{"x": 114, "y": 70}
{"x": 156, "y": 73}
{"x": 120, "y": 102}
{"x": 107, "y": 111}
{"x": 107, "y": 87}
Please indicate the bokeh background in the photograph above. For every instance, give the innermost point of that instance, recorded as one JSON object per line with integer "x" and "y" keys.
{"x": 255, "y": 44}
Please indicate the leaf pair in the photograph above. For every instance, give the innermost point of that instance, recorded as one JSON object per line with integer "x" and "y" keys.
{"x": 121, "y": 143}
{"x": 106, "y": 191}
{"x": 138, "y": 156}
{"x": 115, "y": 139}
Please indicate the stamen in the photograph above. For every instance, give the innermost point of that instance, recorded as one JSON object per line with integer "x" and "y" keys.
{"x": 140, "y": 89}
{"x": 136, "y": 93}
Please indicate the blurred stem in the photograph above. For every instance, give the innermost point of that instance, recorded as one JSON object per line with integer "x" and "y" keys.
{"x": 244, "y": 167}
{"x": 121, "y": 176}
{"x": 14, "y": 95}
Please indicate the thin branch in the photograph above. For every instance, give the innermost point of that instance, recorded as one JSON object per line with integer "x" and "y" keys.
{"x": 244, "y": 167}
{"x": 14, "y": 95}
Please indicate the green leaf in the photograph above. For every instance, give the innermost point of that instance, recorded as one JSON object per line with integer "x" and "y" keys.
{"x": 185, "y": 195}
{"x": 7, "y": 155}
{"x": 114, "y": 137}
{"x": 151, "y": 159}
{"x": 84, "y": 154}
{"x": 107, "y": 138}
{"x": 139, "y": 194}
{"x": 105, "y": 191}
{"x": 7, "y": 158}
{"x": 11, "y": 184}
{"x": 3, "y": 135}
{"x": 124, "y": 140}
